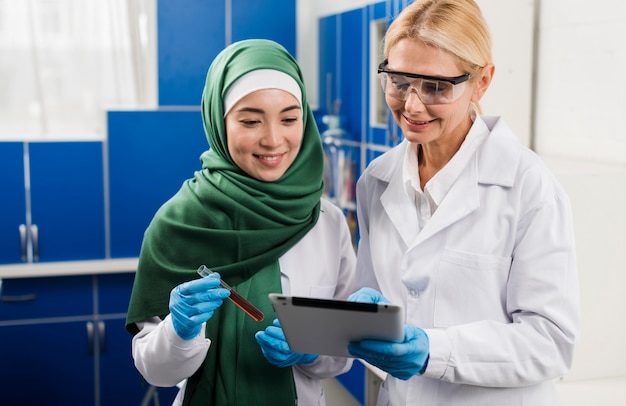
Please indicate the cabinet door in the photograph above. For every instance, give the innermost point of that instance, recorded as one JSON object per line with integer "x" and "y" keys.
{"x": 67, "y": 200}
{"x": 12, "y": 201}
{"x": 120, "y": 382}
{"x": 151, "y": 154}
{"x": 247, "y": 14}
{"x": 46, "y": 364}
{"x": 181, "y": 68}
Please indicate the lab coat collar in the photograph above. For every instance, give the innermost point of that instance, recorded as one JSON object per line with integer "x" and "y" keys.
{"x": 498, "y": 150}
{"x": 486, "y": 167}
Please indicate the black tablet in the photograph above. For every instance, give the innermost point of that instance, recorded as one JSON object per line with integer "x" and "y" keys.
{"x": 325, "y": 326}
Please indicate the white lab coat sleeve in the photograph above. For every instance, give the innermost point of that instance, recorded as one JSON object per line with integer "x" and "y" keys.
{"x": 346, "y": 265}
{"x": 325, "y": 367}
{"x": 162, "y": 357}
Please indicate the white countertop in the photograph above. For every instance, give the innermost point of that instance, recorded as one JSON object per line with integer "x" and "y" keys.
{"x": 39, "y": 269}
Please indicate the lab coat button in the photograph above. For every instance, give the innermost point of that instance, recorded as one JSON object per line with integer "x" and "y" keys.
{"x": 413, "y": 293}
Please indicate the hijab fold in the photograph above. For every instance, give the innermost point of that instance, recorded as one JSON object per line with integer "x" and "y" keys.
{"x": 238, "y": 226}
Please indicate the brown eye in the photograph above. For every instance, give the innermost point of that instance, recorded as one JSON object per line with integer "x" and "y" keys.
{"x": 249, "y": 123}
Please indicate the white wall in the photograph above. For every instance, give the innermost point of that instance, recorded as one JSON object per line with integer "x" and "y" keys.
{"x": 580, "y": 131}
{"x": 580, "y": 119}
{"x": 598, "y": 200}
{"x": 581, "y": 88}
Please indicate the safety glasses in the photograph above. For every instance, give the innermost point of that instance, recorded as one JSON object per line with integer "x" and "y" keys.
{"x": 430, "y": 89}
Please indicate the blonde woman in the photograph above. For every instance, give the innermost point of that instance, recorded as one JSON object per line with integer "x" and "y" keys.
{"x": 464, "y": 227}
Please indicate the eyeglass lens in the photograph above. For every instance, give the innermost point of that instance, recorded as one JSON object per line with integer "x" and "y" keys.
{"x": 429, "y": 91}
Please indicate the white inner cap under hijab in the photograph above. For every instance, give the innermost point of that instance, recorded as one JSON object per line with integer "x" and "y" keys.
{"x": 258, "y": 80}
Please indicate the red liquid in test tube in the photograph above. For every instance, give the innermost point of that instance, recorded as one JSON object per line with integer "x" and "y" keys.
{"x": 235, "y": 297}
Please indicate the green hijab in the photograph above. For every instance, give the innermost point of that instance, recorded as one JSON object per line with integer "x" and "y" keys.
{"x": 237, "y": 226}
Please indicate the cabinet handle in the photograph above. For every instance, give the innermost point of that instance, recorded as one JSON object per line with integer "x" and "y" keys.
{"x": 23, "y": 240}
{"x": 101, "y": 336}
{"x": 19, "y": 298}
{"x": 34, "y": 230}
{"x": 90, "y": 338}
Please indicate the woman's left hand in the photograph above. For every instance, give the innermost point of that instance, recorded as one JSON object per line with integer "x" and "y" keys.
{"x": 401, "y": 360}
{"x": 276, "y": 350}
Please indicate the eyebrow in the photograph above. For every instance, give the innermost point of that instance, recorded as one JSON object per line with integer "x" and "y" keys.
{"x": 261, "y": 111}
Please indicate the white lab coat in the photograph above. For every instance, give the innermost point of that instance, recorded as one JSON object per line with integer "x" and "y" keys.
{"x": 491, "y": 277}
{"x": 320, "y": 265}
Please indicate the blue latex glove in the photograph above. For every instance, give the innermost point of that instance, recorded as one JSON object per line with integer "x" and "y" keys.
{"x": 368, "y": 295}
{"x": 192, "y": 303}
{"x": 401, "y": 360}
{"x": 276, "y": 350}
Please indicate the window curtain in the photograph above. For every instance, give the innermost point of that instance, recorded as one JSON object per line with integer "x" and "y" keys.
{"x": 64, "y": 63}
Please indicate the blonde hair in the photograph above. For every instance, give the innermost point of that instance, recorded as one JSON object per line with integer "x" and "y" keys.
{"x": 455, "y": 26}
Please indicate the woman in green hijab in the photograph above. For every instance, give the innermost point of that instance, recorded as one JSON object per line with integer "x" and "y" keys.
{"x": 253, "y": 214}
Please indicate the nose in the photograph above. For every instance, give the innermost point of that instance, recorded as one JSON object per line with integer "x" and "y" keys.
{"x": 271, "y": 136}
{"x": 413, "y": 102}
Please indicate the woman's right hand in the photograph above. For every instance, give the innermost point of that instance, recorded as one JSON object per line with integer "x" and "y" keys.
{"x": 192, "y": 303}
{"x": 368, "y": 295}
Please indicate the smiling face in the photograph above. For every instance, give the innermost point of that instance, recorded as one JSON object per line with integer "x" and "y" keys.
{"x": 264, "y": 132}
{"x": 436, "y": 123}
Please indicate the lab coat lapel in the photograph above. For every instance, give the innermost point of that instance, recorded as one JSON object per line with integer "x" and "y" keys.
{"x": 464, "y": 197}
{"x": 400, "y": 208}
{"x": 461, "y": 200}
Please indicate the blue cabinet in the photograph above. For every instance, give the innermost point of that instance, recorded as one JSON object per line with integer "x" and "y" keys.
{"x": 52, "y": 202}
{"x": 349, "y": 52}
{"x": 64, "y": 342}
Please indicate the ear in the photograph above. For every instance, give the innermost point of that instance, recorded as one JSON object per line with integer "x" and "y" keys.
{"x": 483, "y": 81}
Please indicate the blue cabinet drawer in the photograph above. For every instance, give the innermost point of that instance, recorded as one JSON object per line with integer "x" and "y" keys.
{"x": 35, "y": 298}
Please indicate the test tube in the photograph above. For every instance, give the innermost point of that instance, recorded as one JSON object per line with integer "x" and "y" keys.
{"x": 235, "y": 297}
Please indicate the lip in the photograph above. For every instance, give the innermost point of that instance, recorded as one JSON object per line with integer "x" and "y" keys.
{"x": 270, "y": 160}
{"x": 417, "y": 124}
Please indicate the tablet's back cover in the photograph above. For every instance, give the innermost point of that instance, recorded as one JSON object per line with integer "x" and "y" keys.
{"x": 323, "y": 326}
